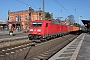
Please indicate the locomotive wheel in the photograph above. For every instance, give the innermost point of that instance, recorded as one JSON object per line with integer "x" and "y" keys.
{"x": 30, "y": 38}
{"x": 48, "y": 38}
{"x": 42, "y": 40}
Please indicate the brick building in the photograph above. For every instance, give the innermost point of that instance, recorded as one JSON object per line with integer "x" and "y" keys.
{"x": 65, "y": 22}
{"x": 21, "y": 20}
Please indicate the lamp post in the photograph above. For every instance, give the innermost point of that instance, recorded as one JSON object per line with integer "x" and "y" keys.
{"x": 29, "y": 12}
{"x": 79, "y": 19}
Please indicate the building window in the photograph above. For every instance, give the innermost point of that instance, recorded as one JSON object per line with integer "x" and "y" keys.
{"x": 12, "y": 18}
{"x": 18, "y": 18}
{"x": 39, "y": 14}
{"x": 29, "y": 15}
{"x": 25, "y": 18}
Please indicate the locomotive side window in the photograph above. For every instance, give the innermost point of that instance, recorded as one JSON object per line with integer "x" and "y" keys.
{"x": 46, "y": 24}
{"x": 36, "y": 24}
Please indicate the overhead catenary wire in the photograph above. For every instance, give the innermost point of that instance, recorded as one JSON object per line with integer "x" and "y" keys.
{"x": 73, "y": 7}
{"x": 62, "y": 6}
{"x": 24, "y": 3}
{"x": 30, "y": 5}
{"x": 52, "y": 6}
{"x": 33, "y": 6}
{"x": 70, "y": 4}
{"x": 45, "y": 3}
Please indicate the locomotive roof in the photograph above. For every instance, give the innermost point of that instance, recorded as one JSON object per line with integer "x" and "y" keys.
{"x": 48, "y": 21}
{"x": 40, "y": 20}
{"x": 55, "y": 22}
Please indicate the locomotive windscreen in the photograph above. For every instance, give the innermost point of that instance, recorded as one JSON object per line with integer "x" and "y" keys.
{"x": 37, "y": 24}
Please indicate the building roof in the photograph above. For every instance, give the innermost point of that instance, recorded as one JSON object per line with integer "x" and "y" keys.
{"x": 86, "y": 23}
{"x": 26, "y": 10}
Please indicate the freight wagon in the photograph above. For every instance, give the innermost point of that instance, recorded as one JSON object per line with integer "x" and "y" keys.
{"x": 71, "y": 28}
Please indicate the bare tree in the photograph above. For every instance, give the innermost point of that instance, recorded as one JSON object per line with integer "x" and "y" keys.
{"x": 71, "y": 20}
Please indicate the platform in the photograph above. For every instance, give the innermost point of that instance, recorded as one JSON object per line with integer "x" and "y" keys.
{"x": 4, "y": 35}
{"x": 78, "y": 49}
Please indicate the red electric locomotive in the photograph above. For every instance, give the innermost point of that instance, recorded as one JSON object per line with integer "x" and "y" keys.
{"x": 45, "y": 29}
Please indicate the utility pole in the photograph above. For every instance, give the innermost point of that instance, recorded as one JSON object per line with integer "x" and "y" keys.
{"x": 43, "y": 9}
{"x": 43, "y": 5}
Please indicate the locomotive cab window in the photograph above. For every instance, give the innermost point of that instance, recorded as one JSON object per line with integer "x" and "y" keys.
{"x": 46, "y": 24}
{"x": 36, "y": 24}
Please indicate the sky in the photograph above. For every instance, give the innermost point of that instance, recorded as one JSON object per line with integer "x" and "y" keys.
{"x": 59, "y": 8}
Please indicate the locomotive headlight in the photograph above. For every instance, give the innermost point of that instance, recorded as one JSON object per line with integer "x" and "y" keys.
{"x": 39, "y": 30}
{"x": 31, "y": 29}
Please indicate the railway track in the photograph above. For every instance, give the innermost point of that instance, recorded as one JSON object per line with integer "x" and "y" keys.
{"x": 42, "y": 50}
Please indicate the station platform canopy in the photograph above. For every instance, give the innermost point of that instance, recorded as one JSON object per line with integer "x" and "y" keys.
{"x": 86, "y": 23}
